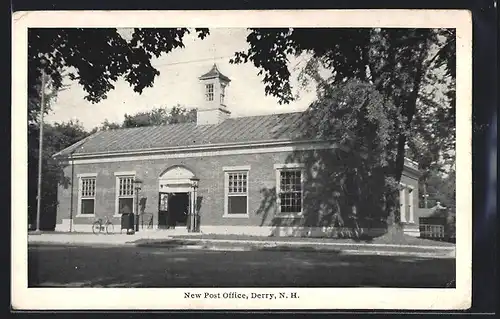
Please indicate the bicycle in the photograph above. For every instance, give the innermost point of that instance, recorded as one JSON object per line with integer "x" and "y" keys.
{"x": 100, "y": 226}
{"x": 355, "y": 230}
{"x": 338, "y": 225}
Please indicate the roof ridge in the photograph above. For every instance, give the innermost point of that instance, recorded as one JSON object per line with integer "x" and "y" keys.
{"x": 147, "y": 126}
{"x": 186, "y": 123}
{"x": 265, "y": 115}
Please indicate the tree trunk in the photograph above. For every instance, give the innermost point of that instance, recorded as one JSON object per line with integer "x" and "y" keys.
{"x": 395, "y": 232}
{"x": 394, "y": 227}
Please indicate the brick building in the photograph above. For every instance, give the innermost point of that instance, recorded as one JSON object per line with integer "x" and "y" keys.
{"x": 256, "y": 175}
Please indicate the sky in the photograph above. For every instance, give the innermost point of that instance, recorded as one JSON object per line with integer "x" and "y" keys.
{"x": 178, "y": 84}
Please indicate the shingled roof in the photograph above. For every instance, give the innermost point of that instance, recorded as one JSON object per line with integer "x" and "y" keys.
{"x": 249, "y": 129}
{"x": 214, "y": 73}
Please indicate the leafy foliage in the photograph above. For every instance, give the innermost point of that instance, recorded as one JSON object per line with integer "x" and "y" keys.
{"x": 441, "y": 188}
{"x": 97, "y": 58}
{"x": 55, "y": 138}
{"x": 157, "y": 116}
{"x": 106, "y": 125}
{"x": 433, "y": 133}
{"x": 395, "y": 61}
{"x": 355, "y": 115}
{"x": 34, "y": 100}
{"x": 160, "y": 116}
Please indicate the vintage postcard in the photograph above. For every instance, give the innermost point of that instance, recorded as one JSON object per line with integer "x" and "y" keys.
{"x": 295, "y": 159}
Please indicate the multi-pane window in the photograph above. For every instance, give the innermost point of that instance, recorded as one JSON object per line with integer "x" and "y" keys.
{"x": 290, "y": 191}
{"x": 125, "y": 194}
{"x": 87, "y": 195}
{"x": 237, "y": 193}
{"x": 209, "y": 92}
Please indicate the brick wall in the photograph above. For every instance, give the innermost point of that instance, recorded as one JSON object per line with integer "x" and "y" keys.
{"x": 261, "y": 188}
{"x": 211, "y": 186}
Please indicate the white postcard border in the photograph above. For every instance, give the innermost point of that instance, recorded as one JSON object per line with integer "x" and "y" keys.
{"x": 310, "y": 298}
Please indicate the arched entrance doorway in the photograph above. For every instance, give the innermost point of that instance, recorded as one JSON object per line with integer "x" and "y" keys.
{"x": 175, "y": 197}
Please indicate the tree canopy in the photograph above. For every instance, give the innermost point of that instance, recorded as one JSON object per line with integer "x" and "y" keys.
{"x": 156, "y": 116}
{"x": 441, "y": 188}
{"x": 355, "y": 115}
{"x": 160, "y": 116}
{"x": 97, "y": 57}
{"x": 56, "y": 137}
{"x": 397, "y": 63}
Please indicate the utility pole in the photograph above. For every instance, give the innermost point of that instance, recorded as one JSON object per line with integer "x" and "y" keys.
{"x": 40, "y": 151}
{"x": 425, "y": 195}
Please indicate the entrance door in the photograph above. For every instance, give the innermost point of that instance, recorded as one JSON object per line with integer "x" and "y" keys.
{"x": 178, "y": 208}
{"x": 173, "y": 210}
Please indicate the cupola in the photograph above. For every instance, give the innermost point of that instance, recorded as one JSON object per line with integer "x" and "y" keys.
{"x": 213, "y": 109}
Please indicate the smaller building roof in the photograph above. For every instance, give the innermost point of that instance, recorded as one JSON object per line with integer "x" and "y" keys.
{"x": 214, "y": 73}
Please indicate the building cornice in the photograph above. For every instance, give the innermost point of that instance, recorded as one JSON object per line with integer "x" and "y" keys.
{"x": 412, "y": 170}
{"x": 192, "y": 148}
{"x": 220, "y": 149}
{"x": 197, "y": 152}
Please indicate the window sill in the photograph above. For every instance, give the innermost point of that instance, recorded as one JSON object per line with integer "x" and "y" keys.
{"x": 235, "y": 216}
{"x": 408, "y": 222}
{"x": 85, "y": 215}
{"x": 289, "y": 215}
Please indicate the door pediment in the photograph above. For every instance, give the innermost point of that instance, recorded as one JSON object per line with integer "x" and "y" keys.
{"x": 176, "y": 175}
{"x": 177, "y": 172}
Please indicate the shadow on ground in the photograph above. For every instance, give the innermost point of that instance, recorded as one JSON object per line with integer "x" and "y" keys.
{"x": 386, "y": 238}
{"x": 52, "y": 266}
{"x": 170, "y": 243}
{"x": 298, "y": 249}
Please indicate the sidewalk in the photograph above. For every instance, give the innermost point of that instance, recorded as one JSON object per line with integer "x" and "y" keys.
{"x": 196, "y": 242}
{"x": 92, "y": 239}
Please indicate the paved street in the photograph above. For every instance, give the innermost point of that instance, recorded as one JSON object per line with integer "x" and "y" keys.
{"x": 127, "y": 266}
